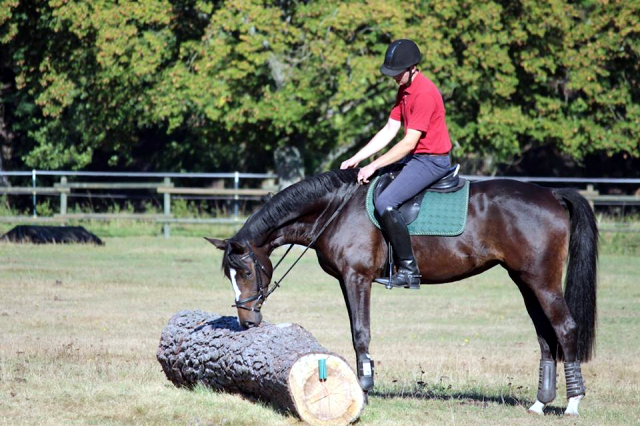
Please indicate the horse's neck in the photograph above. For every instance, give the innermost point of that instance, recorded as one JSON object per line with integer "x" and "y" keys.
{"x": 304, "y": 226}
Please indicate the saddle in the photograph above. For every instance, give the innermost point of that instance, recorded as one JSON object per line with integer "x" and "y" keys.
{"x": 451, "y": 182}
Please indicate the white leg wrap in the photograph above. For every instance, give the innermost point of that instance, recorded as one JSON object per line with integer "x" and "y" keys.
{"x": 572, "y": 406}
{"x": 537, "y": 407}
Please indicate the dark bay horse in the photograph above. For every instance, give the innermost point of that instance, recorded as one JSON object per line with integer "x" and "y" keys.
{"x": 529, "y": 230}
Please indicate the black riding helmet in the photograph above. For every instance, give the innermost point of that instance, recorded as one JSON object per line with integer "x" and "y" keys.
{"x": 401, "y": 54}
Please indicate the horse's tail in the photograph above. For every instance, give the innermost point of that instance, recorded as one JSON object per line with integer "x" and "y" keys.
{"x": 581, "y": 278}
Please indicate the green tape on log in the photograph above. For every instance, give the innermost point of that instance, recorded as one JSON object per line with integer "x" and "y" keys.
{"x": 322, "y": 369}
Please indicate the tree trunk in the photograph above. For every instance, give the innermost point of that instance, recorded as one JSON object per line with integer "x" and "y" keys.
{"x": 289, "y": 166}
{"x": 6, "y": 137}
{"x": 278, "y": 364}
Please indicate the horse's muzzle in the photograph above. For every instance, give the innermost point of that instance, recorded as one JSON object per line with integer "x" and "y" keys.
{"x": 249, "y": 319}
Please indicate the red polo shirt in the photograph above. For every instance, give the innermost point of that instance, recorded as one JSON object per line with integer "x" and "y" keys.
{"x": 420, "y": 107}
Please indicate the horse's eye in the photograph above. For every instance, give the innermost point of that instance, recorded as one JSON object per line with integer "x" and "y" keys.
{"x": 249, "y": 273}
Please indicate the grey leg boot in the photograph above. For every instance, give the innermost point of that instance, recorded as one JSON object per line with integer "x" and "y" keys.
{"x": 396, "y": 232}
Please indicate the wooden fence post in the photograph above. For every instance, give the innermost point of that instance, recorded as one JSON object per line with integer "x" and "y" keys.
{"x": 590, "y": 195}
{"x": 63, "y": 196}
{"x": 166, "y": 228}
{"x": 236, "y": 185}
{"x": 33, "y": 179}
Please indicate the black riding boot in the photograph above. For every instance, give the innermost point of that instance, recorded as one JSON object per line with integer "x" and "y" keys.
{"x": 396, "y": 232}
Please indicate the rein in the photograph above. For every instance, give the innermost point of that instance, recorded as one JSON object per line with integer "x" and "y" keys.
{"x": 261, "y": 296}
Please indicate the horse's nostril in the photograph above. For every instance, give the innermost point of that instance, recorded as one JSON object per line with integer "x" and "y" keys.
{"x": 250, "y": 321}
{"x": 248, "y": 324}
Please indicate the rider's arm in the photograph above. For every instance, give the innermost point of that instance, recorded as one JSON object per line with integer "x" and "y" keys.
{"x": 402, "y": 148}
{"x": 379, "y": 141}
{"x": 399, "y": 150}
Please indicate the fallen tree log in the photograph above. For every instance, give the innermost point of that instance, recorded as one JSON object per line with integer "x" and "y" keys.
{"x": 279, "y": 364}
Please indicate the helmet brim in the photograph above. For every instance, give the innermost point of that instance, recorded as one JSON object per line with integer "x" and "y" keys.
{"x": 390, "y": 71}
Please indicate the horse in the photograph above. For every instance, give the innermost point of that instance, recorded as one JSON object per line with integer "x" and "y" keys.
{"x": 530, "y": 230}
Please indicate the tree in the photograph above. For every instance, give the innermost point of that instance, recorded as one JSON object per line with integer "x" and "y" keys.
{"x": 203, "y": 84}
{"x": 537, "y": 73}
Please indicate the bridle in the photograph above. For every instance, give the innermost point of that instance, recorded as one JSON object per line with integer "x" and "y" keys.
{"x": 261, "y": 295}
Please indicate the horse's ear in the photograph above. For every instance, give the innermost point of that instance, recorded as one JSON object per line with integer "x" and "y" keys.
{"x": 237, "y": 247}
{"x": 221, "y": 244}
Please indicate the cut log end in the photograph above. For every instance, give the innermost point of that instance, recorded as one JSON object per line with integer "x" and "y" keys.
{"x": 336, "y": 400}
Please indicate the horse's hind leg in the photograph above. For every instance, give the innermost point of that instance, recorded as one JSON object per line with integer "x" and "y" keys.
{"x": 549, "y": 299}
{"x": 548, "y": 347}
{"x": 555, "y": 307}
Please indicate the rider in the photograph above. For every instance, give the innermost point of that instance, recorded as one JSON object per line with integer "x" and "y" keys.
{"x": 423, "y": 152}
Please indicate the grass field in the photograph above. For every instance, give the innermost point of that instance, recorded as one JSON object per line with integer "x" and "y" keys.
{"x": 79, "y": 328}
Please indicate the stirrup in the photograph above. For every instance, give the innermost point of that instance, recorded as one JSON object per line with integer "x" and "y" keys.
{"x": 412, "y": 281}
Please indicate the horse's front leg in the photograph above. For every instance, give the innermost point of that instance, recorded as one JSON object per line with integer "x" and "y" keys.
{"x": 356, "y": 289}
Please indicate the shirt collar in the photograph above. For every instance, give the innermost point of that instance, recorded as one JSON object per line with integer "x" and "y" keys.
{"x": 418, "y": 80}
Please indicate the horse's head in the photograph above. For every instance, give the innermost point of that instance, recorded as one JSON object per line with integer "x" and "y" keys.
{"x": 249, "y": 271}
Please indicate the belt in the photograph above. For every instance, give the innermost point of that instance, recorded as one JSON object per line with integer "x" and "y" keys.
{"x": 433, "y": 155}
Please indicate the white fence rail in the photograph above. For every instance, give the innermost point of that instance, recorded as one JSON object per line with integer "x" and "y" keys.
{"x": 164, "y": 185}
{"x": 165, "y": 188}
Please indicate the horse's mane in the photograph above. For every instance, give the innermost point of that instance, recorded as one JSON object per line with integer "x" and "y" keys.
{"x": 292, "y": 198}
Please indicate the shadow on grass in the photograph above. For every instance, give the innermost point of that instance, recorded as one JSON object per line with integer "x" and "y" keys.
{"x": 465, "y": 398}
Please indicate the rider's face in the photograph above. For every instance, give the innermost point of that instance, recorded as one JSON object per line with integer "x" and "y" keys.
{"x": 402, "y": 78}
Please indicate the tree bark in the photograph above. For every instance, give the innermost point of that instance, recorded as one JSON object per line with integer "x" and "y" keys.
{"x": 289, "y": 166}
{"x": 5, "y": 135}
{"x": 278, "y": 364}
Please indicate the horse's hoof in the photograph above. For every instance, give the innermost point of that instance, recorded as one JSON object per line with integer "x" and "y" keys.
{"x": 572, "y": 406}
{"x": 537, "y": 408}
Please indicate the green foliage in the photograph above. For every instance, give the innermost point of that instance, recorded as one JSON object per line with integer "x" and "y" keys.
{"x": 150, "y": 207}
{"x": 126, "y": 208}
{"x": 6, "y": 209}
{"x": 625, "y": 243}
{"x": 179, "y": 207}
{"x": 183, "y": 208}
{"x": 44, "y": 209}
{"x": 202, "y": 85}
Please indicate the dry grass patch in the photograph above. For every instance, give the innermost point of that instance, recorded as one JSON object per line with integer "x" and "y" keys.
{"x": 80, "y": 327}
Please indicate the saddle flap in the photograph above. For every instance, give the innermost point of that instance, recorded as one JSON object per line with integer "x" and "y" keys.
{"x": 410, "y": 208}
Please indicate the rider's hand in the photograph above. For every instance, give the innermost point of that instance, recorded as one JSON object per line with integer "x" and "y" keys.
{"x": 349, "y": 164}
{"x": 365, "y": 173}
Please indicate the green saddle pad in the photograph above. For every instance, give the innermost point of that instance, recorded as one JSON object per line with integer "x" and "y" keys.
{"x": 440, "y": 213}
